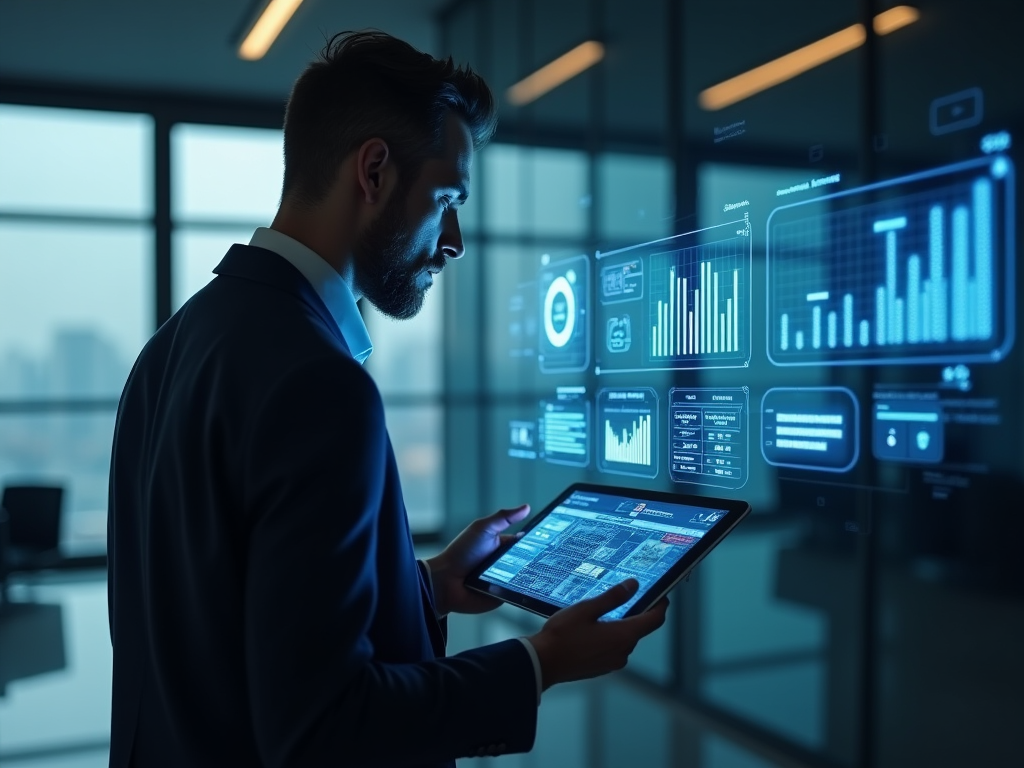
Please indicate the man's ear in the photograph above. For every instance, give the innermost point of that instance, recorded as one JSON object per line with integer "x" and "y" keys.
{"x": 375, "y": 169}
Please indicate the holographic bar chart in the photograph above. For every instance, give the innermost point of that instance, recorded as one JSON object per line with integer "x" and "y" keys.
{"x": 692, "y": 322}
{"x": 913, "y": 270}
{"x": 629, "y": 424}
{"x": 630, "y": 446}
{"x": 699, "y": 302}
{"x": 677, "y": 303}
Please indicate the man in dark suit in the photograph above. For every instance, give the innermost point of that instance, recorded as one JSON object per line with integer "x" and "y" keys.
{"x": 266, "y": 607}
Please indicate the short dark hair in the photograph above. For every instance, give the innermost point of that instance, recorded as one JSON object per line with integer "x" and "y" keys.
{"x": 367, "y": 85}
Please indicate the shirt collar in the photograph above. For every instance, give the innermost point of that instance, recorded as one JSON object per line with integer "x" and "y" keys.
{"x": 328, "y": 284}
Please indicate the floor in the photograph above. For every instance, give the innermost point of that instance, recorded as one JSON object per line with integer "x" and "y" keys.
{"x": 55, "y": 665}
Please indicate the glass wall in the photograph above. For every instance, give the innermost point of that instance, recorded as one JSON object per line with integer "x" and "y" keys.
{"x": 76, "y": 305}
{"x": 76, "y": 296}
{"x": 806, "y": 212}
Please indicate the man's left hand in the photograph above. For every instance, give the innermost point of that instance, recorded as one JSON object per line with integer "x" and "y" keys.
{"x": 448, "y": 570}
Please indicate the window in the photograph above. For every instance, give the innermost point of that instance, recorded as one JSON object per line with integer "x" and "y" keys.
{"x": 225, "y": 182}
{"x": 76, "y": 296}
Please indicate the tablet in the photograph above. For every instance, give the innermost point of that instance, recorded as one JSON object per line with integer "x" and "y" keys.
{"x": 591, "y": 537}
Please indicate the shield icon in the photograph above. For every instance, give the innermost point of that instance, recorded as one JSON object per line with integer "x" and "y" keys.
{"x": 923, "y": 439}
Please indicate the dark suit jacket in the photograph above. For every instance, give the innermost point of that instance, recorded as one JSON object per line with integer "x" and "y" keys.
{"x": 266, "y": 608}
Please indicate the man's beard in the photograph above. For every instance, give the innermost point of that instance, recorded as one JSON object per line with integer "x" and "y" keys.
{"x": 386, "y": 273}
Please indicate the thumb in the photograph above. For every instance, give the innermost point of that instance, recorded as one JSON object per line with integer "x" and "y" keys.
{"x": 596, "y": 607}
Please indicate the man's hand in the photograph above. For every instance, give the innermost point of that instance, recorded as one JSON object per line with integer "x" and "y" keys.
{"x": 575, "y": 644}
{"x": 448, "y": 570}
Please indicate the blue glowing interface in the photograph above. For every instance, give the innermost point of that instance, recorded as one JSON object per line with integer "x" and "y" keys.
{"x": 678, "y": 303}
{"x": 565, "y": 427}
{"x": 628, "y": 420}
{"x": 676, "y": 358}
{"x": 913, "y": 270}
{"x": 709, "y": 440}
{"x": 810, "y": 428}
{"x": 593, "y": 541}
{"x": 564, "y": 339}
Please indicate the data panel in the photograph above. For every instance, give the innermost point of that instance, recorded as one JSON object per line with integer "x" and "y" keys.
{"x": 916, "y": 270}
{"x": 676, "y": 304}
{"x": 628, "y": 426}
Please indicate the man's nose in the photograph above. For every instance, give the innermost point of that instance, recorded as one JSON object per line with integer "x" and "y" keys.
{"x": 451, "y": 237}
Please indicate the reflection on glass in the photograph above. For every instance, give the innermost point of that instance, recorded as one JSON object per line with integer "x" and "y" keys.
{"x": 70, "y": 705}
{"x": 762, "y": 652}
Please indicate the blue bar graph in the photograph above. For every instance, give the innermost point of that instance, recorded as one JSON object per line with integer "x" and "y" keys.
{"x": 692, "y": 310}
{"x": 917, "y": 269}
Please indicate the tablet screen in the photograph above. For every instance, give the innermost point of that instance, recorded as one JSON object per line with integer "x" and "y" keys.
{"x": 592, "y": 540}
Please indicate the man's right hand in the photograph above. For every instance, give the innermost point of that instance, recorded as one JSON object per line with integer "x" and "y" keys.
{"x": 574, "y": 644}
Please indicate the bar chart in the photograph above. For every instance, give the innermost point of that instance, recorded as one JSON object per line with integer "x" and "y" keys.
{"x": 699, "y": 303}
{"x": 914, "y": 270}
{"x": 678, "y": 303}
{"x": 632, "y": 446}
{"x": 628, "y": 419}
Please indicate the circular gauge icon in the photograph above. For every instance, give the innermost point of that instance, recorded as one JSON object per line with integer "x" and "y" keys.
{"x": 559, "y": 312}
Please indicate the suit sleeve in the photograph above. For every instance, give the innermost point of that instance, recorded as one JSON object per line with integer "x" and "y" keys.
{"x": 313, "y": 474}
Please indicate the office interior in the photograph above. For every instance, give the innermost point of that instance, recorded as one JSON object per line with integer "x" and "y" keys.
{"x": 841, "y": 178}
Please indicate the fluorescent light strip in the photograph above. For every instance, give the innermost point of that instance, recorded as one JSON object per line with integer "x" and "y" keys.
{"x": 799, "y": 61}
{"x": 895, "y": 18}
{"x": 266, "y": 29}
{"x": 550, "y": 76}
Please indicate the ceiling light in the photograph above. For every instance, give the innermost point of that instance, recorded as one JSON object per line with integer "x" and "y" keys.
{"x": 895, "y": 18}
{"x": 266, "y": 29}
{"x": 799, "y": 61}
{"x": 550, "y": 76}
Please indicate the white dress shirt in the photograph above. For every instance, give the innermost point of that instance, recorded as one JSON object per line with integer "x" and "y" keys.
{"x": 328, "y": 284}
{"x": 341, "y": 303}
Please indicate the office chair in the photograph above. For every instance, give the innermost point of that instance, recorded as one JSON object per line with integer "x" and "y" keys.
{"x": 33, "y": 538}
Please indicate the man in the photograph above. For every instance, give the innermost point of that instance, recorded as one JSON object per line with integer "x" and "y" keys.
{"x": 266, "y": 607}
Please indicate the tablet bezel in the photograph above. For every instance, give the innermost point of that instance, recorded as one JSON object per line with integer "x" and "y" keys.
{"x": 735, "y": 510}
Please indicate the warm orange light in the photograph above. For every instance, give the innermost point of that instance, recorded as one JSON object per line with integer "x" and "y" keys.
{"x": 550, "y": 76}
{"x": 799, "y": 61}
{"x": 895, "y": 18}
{"x": 783, "y": 68}
{"x": 266, "y": 29}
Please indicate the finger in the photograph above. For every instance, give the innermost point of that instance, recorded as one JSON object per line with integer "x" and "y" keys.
{"x": 511, "y": 538}
{"x": 648, "y": 621}
{"x": 612, "y": 598}
{"x": 503, "y": 518}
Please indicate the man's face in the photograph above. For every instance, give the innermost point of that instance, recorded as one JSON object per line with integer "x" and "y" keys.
{"x": 418, "y": 230}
